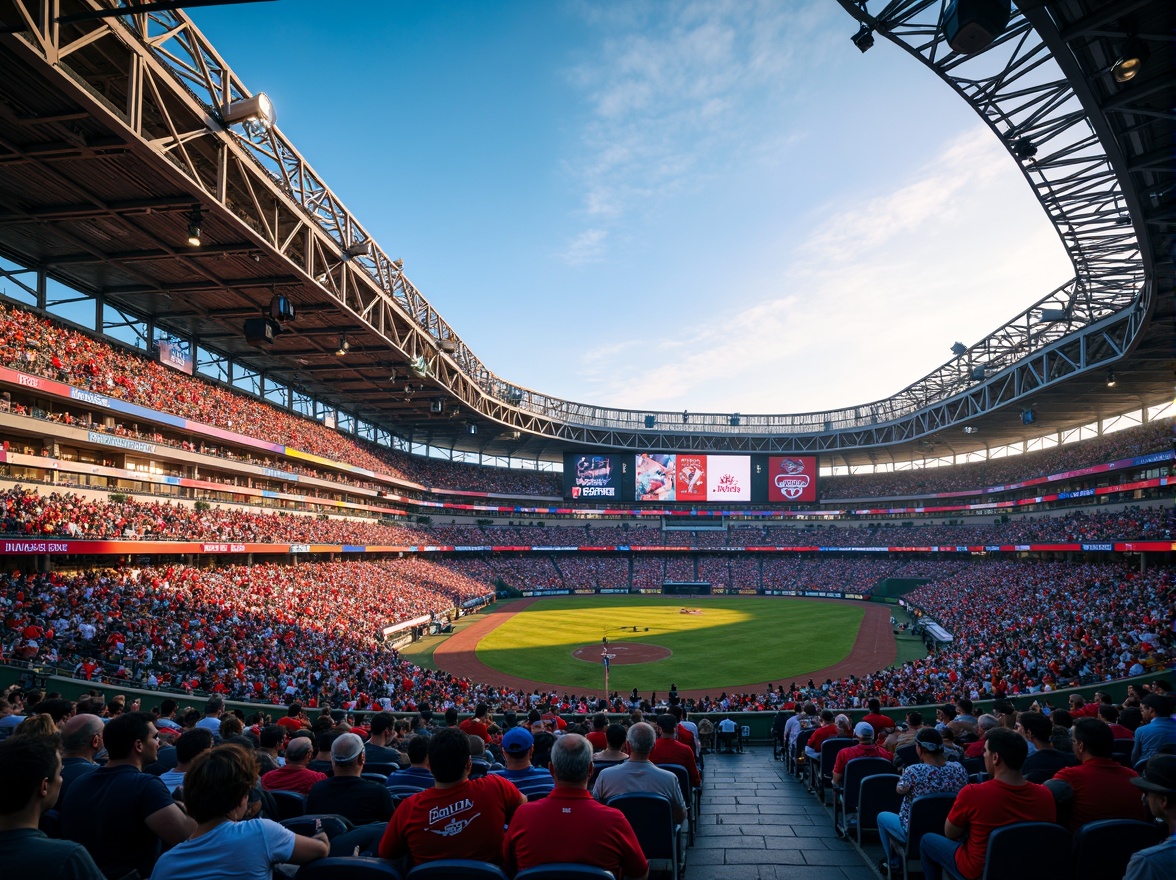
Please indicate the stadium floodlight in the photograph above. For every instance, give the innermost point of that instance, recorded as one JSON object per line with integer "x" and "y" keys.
{"x": 473, "y": 429}
{"x": 864, "y": 38}
{"x": 344, "y": 345}
{"x": 280, "y": 308}
{"x": 1053, "y": 315}
{"x": 195, "y": 219}
{"x": 959, "y": 349}
{"x": 979, "y": 372}
{"x": 1132, "y": 55}
{"x": 257, "y": 114}
{"x": 1111, "y": 379}
{"x": 358, "y": 249}
{"x": 970, "y": 429}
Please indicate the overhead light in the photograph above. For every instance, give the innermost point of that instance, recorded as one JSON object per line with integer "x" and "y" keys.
{"x": 1111, "y": 378}
{"x": 280, "y": 308}
{"x": 257, "y": 113}
{"x": 344, "y": 345}
{"x": 978, "y": 372}
{"x": 1132, "y": 55}
{"x": 195, "y": 218}
{"x": 1053, "y": 315}
{"x": 970, "y": 429}
{"x": 864, "y": 38}
{"x": 359, "y": 249}
{"x": 1028, "y": 416}
{"x": 959, "y": 349}
{"x": 473, "y": 429}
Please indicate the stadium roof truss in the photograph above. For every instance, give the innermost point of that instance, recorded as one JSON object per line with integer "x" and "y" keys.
{"x": 116, "y": 127}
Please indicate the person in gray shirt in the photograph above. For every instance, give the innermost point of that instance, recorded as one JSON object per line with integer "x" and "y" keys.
{"x": 639, "y": 775}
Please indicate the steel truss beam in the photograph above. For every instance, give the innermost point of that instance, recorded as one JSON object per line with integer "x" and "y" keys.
{"x": 171, "y": 87}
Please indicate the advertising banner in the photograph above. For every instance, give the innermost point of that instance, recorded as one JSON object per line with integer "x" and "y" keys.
{"x": 792, "y": 479}
{"x": 656, "y": 477}
{"x": 729, "y": 478}
{"x": 692, "y": 477}
{"x": 592, "y": 476}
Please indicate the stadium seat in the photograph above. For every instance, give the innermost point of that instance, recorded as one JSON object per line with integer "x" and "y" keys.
{"x": 381, "y": 778}
{"x": 1122, "y": 751}
{"x": 653, "y": 823}
{"x": 845, "y": 795}
{"x": 1103, "y": 849}
{"x": 796, "y": 759}
{"x": 380, "y": 767}
{"x": 457, "y": 869}
{"x": 692, "y": 796}
{"x": 333, "y": 824}
{"x": 876, "y": 795}
{"x": 1024, "y": 850}
{"x": 564, "y": 871}
{"x": 400, "y": 792}
{"x": 597, "y": 766}
{"x": 348, "y": 868}
{"x": 821, "y": 775}
{"x": 906, "y": 756}
{"x": 928, "y": 816}
{"x": 290, "y": 804}
{"x": 365, "y": 837}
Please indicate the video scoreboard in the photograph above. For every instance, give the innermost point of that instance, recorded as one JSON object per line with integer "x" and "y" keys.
{"x": 687, "y": 477}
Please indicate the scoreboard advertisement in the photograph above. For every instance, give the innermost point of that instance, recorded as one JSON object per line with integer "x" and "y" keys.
{"x": 659, "y": 478}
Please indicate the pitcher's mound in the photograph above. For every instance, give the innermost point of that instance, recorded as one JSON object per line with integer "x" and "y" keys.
{"x": 626, "y": 653}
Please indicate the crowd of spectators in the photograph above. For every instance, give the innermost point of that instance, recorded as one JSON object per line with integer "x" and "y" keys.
{"x": 974, "y": 476}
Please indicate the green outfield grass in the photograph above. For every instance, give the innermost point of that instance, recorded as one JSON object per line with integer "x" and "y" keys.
{"x": 734, "y": 641}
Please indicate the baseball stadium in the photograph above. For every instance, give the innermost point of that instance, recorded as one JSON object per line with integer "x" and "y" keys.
{"x": 263, "y": 510}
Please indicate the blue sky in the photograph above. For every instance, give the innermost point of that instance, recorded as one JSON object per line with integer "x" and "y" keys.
{"x": 713, "y": 206}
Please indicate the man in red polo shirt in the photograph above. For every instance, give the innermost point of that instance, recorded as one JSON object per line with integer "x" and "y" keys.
{"x": 569, "y": 826}
{"x": 980, "y": 809}
{"x": 459, "y": 817}
{"x": 865, "y": 748}
{"x": 667, "y": 749}
{"x": 1099, "y": 787}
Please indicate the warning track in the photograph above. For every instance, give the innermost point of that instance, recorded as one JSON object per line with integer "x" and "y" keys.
{"x": 873, "y": 649}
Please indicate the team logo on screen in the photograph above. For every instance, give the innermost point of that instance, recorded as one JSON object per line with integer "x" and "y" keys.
{"x": 792, "y": 480}
{"x": 729, "y": 484}
{"x": 593, "y": 477}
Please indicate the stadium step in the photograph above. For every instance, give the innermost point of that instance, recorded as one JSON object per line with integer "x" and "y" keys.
{"x": 758, "y": 824}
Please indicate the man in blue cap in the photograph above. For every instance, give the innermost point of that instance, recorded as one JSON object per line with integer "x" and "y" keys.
{"x": 517, "y": 748}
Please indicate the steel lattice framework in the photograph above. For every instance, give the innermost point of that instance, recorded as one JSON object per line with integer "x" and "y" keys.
{"x": 173, "y": 87}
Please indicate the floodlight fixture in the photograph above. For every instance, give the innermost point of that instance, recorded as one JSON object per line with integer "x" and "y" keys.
{"x": 472, "y": 429}
{"x": 257, "y": 113}
{"x": 344, "y": 345}
{"x": 979, "y": 372}
{"x": 358, "y": 249}
{"x": 959, "y": 349}
{"x": 1053, "y": 315}
{"x": 280, "y": 308}
{"x": 1132, "y": 56}
{"x": 1111, "y": 380}
{"x": 970, "y": 429}
{"x": 195, "y": 219}
{"x": 864, "y": 38}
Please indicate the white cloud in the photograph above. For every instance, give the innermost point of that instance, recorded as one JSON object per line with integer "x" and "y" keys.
{"x": 876, "y": 291}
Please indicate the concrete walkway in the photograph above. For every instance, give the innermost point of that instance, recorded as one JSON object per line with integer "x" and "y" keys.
{"x": 757, "y": 822}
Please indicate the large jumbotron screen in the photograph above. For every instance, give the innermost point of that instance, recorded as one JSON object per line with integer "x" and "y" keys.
{"x": 681, "y": 477}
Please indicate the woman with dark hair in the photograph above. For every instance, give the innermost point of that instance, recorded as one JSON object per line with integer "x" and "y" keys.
{"x": 216, "y": 794}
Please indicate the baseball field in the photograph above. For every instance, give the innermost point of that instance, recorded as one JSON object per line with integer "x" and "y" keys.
{"x": 707, "y": 644}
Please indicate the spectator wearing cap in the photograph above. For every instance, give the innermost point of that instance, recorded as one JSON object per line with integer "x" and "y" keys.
{"x": 1099, "y": 787}
{"x": 518, "y": 745}
{"x": 347, "y": 793}
{"x": 980, "y": 809}
{"x": 459, "y": 817}
{"x": 1044, "y": 760}
{"x": 295, "y": 776}
{"x": 864, "y": 731}
{"x": 1158, "y": 783}
{"x": 1158, "y": 728}
{"x": 933, "y": 773}
{"x": 667, "y": 749}
{"x": 417, "y": 774}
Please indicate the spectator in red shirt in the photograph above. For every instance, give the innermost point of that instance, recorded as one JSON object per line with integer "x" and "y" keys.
{"x": 459, "y": 817}
{"x": 1099, "y": 787}
{"x": 477, "y": 725}
{"x": 980, "y": 809}
{"x": 570, "y": 826}
{"x": 293, "y": 719}
{"x": 295, "y": 776}
{"x": 881, "y": 723}
{"x": 667, "y": 749}
{"x": 864, "y": 731}
{"x": 597, "y": 735}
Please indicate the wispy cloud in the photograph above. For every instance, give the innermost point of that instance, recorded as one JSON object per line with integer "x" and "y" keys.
{"x": 873, "y": 292}
{"x": 671, "y": 91}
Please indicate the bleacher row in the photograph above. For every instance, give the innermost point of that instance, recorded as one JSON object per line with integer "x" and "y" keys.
{"x": 40, "y": 346}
